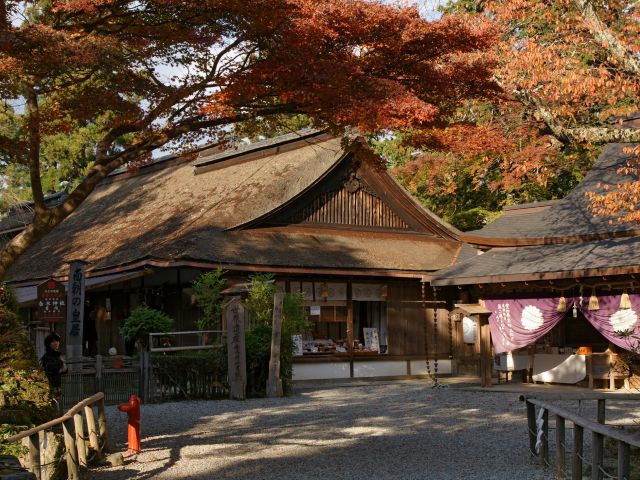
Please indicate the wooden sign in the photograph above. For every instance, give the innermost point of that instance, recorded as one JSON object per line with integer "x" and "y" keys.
{"x": 469, "y": 330}
{"x": 236, "y": 350}
{"x": 371, "y": 340}
{"x": 274, "y": 382}
{"x": 52, "y": 302}
{"x": 75, "y": 309}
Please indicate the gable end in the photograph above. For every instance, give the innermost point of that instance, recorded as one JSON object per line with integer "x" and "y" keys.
{"x": 352, "y": 203}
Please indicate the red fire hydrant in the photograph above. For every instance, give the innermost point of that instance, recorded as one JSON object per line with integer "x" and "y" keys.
{"x": 133, "y": 430}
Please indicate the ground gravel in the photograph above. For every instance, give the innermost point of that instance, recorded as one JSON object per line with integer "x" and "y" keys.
{"x": 393, "y": 430}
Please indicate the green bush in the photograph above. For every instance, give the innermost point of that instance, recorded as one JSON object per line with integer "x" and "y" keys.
{"x": 206, "y": 291}
{"x": 143, "y": 321}
{"x": 258, "y": 338}
{"x": 25, "y": 397}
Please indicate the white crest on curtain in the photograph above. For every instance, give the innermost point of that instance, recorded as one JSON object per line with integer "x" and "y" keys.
{"x": 623, "y": 320}
{"x": 532, "y": 318}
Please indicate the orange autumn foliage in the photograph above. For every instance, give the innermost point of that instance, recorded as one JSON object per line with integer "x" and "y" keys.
{"x": 169, "y": 72}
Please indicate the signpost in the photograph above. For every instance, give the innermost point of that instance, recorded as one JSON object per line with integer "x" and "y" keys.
{"x": 52, "y": 302}
{"x": 75, "y": 309}
{"x": 236, "y": 355}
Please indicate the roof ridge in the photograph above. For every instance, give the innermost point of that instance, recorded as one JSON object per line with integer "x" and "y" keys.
{"x": 244, "y": 149}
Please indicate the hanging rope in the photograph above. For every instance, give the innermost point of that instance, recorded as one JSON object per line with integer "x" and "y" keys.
{"x": 450, "y": 339}
{"x": 435, "y": 341}
{"x": 426, "y": 328}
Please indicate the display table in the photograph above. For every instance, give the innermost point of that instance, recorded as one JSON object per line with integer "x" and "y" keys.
{"x": 547, "y": 367}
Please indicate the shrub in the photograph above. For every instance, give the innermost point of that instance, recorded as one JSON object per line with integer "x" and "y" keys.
{"x": 258, "y": 339}
{"x": 190, "y": 375}
{"x": 25, "y": 397}
{"x": 143, "y": 321}
{"x": 206, "y": 291}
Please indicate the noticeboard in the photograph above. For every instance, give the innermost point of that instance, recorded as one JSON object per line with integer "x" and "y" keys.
{"x": 52, "y": 302}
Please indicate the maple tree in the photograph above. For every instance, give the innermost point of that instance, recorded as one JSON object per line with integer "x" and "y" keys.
{"x": 155, "y": 73}
{"x": 568, "y": 69}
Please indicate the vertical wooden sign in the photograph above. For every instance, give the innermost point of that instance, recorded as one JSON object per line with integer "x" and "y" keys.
{"x": 75, "y": 309}
{"x": 274, "y": 382}
{"x": 236, "y": 353}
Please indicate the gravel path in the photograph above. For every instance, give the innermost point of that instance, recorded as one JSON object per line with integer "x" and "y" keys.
{"x": 402, "y": 430}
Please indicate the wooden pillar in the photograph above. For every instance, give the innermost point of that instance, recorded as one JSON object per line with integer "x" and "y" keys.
{"x": 485, "y": 352}
{"x": 34, "y": 455}
{"x": 624, "y": 466}
{"x": 544, "y": 448}
{"x": 601, "y": 411}
{"x": 80, "y": 443}
{"x": 102, "y": 426}
{"x": 91, "y": 430}
{"x": 578, "y": 449}
{"x": 560, "y": 447}
{"x": 274, "y": 382}
{"x": 597, "y": 454}
{"x": 531, "y": 424}
{"x": 73, "y": 472}
{"x": 350, "y": 325}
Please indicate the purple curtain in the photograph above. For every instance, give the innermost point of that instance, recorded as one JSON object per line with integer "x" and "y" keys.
{"x": 516, "y": 323}
{"x": 609, "y": 319}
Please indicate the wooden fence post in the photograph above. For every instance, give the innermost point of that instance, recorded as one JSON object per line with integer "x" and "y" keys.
{"x": 531, "y": 424}
{"x": 144, "y": 387}
{"x": 73, "y": 471}
{"x": 102, "y": 425}
{"x": 597, "y": 451}
{"x": 624, "y": 466}
{"x": 576, "y": 456}
{"x": 544, "y": 448}
{"x": 274, "y": 382}
{"x": 560, "y": 447}
{"x": 80, "y": 443}
{"x": 91, "y": 428}
{"x": 34, "y": 455}
{"x": 601, "y": 411}
{"x": 99, "y": 366}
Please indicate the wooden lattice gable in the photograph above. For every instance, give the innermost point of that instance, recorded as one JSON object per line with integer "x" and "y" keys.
{"x": 357, "y": 193}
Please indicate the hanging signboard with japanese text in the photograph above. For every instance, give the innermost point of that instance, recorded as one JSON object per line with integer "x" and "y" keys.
{"x": 371, "y": 340}
{"x": 52, "y": 302}
{"x": 75, "y": 309}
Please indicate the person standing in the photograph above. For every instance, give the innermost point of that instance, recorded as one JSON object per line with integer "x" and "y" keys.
{"x": 53, "y": 363}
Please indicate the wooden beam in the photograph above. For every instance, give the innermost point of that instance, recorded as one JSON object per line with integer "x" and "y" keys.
{"x": 485, "y": 353}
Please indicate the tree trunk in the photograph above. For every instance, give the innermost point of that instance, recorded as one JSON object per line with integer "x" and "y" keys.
{"x": 606, "y": 38}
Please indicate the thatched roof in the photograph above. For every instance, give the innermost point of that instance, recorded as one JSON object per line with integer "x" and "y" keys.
{"x": 190, "y": 212}
{"x": 568, "y": 217}
{"x": 555, "y": 239}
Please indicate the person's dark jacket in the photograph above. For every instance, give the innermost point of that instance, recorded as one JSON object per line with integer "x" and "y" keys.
{"x": 53, "y": 365}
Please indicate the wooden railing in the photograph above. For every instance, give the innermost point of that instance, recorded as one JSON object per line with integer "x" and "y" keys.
{"x": 599, "y": 431}
{"x": 75, "y": 442}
